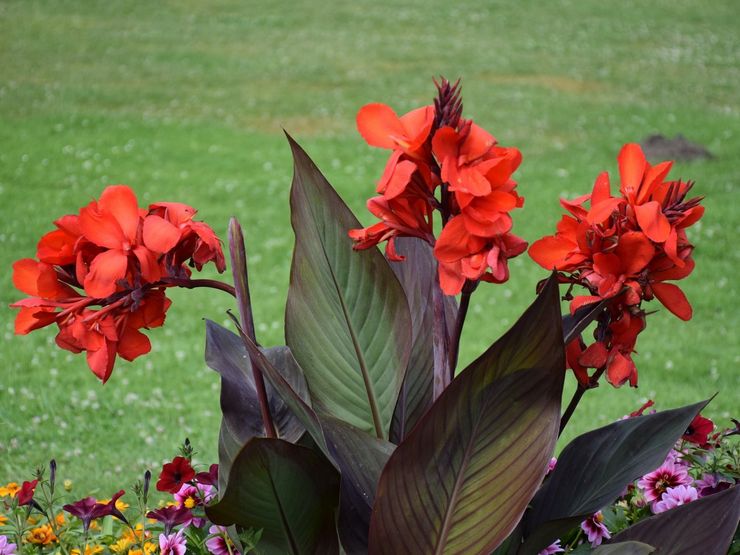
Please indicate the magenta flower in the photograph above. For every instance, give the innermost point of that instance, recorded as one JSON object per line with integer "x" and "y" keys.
{"x": 595, "y": 529}
{"x": 7, "y": 548}
{"x": 173, "y": 544}
{"x": 171, "y": 517}
{"x": 191, "y": 496}
{"x": 209, "y": 478}
{"x": 219, "y": 544}
{"x": 88, "y": 509}
{"x": 673, "y": 497}
{"x": 551, "y": 465}
{"x": 549, "y": 550}
{"x": 668, "y": 475}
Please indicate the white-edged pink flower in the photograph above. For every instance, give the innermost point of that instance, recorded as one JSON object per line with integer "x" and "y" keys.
{"x": 595, "y": 529}
{"x": 673, "y": 497}
{"x": 173, "y": 544}
{"x": 551, "y": 549}
{"x": 668, "y": 475}
{"x": 7, "y": 548}
{"x": 219, "y": 543}
{"x": 551, "y": 464}
{"x": 191, "y": 496}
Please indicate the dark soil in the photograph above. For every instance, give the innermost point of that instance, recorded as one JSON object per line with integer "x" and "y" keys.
{"x": 659, "y": 147}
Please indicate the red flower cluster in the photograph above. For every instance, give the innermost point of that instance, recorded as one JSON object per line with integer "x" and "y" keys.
{"x": 174, "y": 474}
{"x": 119, "y": 257}
{"x": 623, "y": 249}
{"x": 435, "y": 149}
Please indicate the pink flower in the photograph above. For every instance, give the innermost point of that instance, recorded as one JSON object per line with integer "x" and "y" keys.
{"x": 219, "y": 544}
{"x": 551, "y": 464}
{"x": 7, "y": 548}
{"x": 552, "y": 549}
{"x": 595, "y": 529}
{"x": 668, "y": 475}
{"x": 673, "y": 497}
{"x": 173, "y": 544}
{"x": 191, "y": 496}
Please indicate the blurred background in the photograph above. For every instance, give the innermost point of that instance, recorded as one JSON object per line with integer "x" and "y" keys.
{"x": 187, "y": 101}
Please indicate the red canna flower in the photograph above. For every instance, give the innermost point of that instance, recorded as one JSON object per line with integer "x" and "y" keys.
{"x": 174, "y": 474}
{"x": 442, "y": 162}
{"x": 623, "y": 249}
{"x": 120, "y": 258}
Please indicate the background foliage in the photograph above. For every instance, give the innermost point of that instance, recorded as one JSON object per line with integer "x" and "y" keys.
{"x": 186, "y": 101}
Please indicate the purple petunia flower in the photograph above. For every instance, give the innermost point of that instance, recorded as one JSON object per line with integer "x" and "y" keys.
{"x": 710, "y": 484}
{"x": 173, "y": 544}
{"x": 673, "y": 497}
{"x": 219, "y": 544}
{"x": 550, "y": 549}
{"x": 595, "y": 529}
{"x": 7, "y": 548}
{"x": 171, "y": 517}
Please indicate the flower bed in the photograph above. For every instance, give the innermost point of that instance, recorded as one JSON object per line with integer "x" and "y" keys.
{"x": 362, "y": 432}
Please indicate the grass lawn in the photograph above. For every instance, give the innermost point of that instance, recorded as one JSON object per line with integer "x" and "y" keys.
{"x": 186, "y": 101}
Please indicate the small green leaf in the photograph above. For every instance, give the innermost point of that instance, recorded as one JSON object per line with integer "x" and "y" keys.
{"x": 288, "y": 491}
{"x": 347, "y": 319}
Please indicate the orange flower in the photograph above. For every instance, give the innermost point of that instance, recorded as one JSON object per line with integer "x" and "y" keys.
{"x": 434, "y": 148}
{"x": 117, "y": 256}
{"x": 43, "y": 535}
{"x": 10, "y": 489}
{"x": 623, "y": 249}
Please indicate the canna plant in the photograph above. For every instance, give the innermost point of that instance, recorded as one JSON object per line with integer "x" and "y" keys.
{"x": 361, "y": 435}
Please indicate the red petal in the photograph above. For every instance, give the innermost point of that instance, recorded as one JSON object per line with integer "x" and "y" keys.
{"x": 379, "y": 125}
{"x": 594, "y": 356}
{"x": 451, "y": 279}
{"x": 101, "y": 361}
{"x": 652, "y": 221}
{"x": 620, "y": 369}
{"x": 452, "y": 244}
{"x": 417, "y": 124}
{"x": 101, "y": 228}
{"x": 120, "y": 202}
{"x": 445, "y": 145}
{"x": 477, "y": 143}
{"x": 673, "y": 299}
{"x": 56, "y": 247}
{"x": 133, "y": 344}
{"x": 107, "y": 268}
{"x": 29, "y": 319}
{"x": 26, "y": 275}
{"x": 674, "y": 272}
{"x": 631, "y": 169}
{"x": 607, "y": 264}
{"x": 601, "y": 190}
{"x": 653, "y": 178}
{"x": 635, "y": 251}
{"x": 148, "y": 264}
{"x": 582, "y": 300}
{"x": 160, "y": 235}
{"x": 550, "y": 252}
{"x": 601, "y": 211}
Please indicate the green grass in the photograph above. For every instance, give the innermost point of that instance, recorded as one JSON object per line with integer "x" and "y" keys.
{"x": 187, "y": 102}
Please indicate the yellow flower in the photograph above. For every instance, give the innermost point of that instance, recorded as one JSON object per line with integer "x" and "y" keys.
{"x": 149, "y": 548}
{"x": 120, "y": 546}
{"x": 120, "y": 505}
{"x": 89, "y": 550}
{"x": 3, "y": 520}
{"x": 32, "y": 520}
{"x": 67, "y": 485}
{"x": 190, "y": 502}
{"x": 94, "y": 525}
{"x": 43, "y": 535}
{"x": 59, "y": 519}
{"x": 10, "y": 489}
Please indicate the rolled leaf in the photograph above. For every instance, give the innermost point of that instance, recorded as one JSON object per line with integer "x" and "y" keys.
{"x": 347, "y": 319}
{"x": 574, "y": 324}
{"x": 704, "y": 526}
{"x": 462, "y": 478}
{"x": 417, "y": 274}
{"x": 242, "y": 420}
{"x": 288, "y": 491}
{"x": 594, "y": 469}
